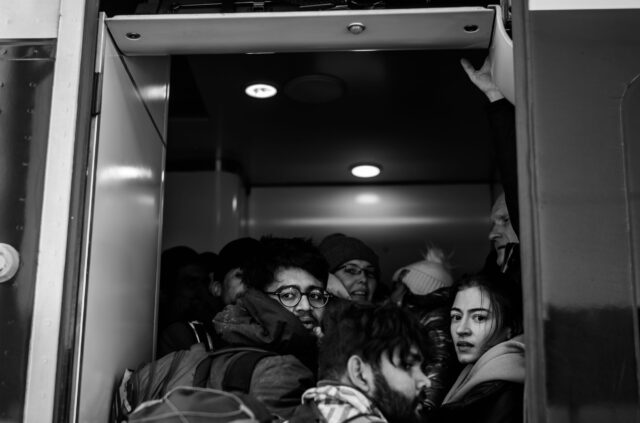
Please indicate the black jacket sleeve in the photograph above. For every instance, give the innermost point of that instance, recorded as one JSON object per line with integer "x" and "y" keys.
{"x": 503, "y": 129}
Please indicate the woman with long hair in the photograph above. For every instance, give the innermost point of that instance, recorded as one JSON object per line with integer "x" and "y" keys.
{"x": 486, "y": 328}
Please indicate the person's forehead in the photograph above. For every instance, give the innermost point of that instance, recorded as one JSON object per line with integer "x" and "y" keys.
{"x": 499, "y": 204}
{"x": 295, "y": 276}
{"x": 471, "y": 298}
{"x": 359, "y": 263}
{"x": 413, "y": 354}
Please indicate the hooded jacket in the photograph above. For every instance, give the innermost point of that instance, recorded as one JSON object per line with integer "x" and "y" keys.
{"x": 489, "y": 390}
{"x": 257, "y": 321}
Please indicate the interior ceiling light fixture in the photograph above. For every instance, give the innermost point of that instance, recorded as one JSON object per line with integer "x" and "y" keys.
{"x": 261, "y": 90}
{"x": 367, "y": 170}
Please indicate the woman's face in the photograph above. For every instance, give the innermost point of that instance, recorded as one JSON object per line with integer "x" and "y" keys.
{"x": 473, "y": 325}
{"x": 359, "y": 278}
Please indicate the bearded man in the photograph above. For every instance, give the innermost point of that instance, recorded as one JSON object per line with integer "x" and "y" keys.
{"x": 369, "y": 367}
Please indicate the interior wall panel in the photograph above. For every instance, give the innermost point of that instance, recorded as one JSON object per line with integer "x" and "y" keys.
{"x": 398, "y": 222}
{"x": 203, "y": 210}
{"x": 125, "y": 232}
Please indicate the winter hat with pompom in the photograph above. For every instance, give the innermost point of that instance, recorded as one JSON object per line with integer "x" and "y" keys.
{"x": 426, "y": 276}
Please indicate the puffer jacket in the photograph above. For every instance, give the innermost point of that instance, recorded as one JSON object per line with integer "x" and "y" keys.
{"x": 441, "y": 366}
{"x": 258, "y": 321}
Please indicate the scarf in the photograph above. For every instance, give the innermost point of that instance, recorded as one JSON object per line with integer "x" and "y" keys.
{"x": 338, "y": 403}
{"x": 504, "y": 361}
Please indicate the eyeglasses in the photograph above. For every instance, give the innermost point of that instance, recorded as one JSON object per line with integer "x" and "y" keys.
{"x": 290, "y": 296}
{"x": 353, "y": 270}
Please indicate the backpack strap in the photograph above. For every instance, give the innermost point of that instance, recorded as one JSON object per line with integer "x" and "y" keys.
{"x": 175, "y": 362}
{"x": 201, "y": 334}
{"x": 364, "y": 418}
{"x": 237, "y": 376}
{"x": 201, "y": 376}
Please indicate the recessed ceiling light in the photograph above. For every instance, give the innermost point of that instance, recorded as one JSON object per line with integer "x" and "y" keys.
{"x": 260, "y": 90}
{"x": 365, "y": 170}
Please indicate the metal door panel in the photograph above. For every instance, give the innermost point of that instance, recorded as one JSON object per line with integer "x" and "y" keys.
{"x": 631, "y": 140}
{"x": 151, "y": 76}
{"x": 118, "y": 330}
{"x": 26, "y": 85}
{"x": 577, "y": 210}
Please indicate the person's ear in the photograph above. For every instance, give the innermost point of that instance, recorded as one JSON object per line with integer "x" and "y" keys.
{"x": 360, "y": 374}
{"x": 215, "y": 288}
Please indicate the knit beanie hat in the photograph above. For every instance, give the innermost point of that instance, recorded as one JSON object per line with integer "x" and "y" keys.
{"x": 425, "y": 276}
{"x": 339, "y": 249}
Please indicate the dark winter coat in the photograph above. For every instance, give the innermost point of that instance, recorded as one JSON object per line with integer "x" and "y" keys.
{"x": 258, "y": 321}
{"x": 441, "y": 364}
{"x": 489, "y": 390}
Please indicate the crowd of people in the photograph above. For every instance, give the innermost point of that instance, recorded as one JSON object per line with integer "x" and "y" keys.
{"x": 344, "y": 345}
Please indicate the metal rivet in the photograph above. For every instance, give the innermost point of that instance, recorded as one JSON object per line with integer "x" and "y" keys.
{"x": 471, "y": 28}
{"x": 356, "y": 28}
{"x": 133, "y": 36}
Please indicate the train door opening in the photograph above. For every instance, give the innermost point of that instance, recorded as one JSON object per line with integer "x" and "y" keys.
{"x": 405, "y": 104}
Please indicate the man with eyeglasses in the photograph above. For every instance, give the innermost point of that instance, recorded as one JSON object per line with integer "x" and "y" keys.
{"x": 280, "y": 312}
{"x": 354, "y": 264}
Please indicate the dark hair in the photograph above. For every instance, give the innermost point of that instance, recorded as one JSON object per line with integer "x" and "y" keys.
{"x": 183, "y": 294}
{"x": 239, "y": 253}
{"x": 368, "y": 331}
{"x": 504, "y": 296}
{"x": 286, "y": 253}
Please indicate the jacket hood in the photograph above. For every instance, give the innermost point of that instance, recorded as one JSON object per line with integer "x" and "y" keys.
{"x": 504, "y": 361}
{"x": 259, "y": 321}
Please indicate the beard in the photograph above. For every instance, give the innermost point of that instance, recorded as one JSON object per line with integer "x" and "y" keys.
{"x": 396, "y": 407}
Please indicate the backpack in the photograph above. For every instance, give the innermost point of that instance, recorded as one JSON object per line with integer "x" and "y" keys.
{"x": 185, "y": 368}
{"x": 185, "y": 404}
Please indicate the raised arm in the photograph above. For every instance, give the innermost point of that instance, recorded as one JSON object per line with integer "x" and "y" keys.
{"x": 503, "y": 133}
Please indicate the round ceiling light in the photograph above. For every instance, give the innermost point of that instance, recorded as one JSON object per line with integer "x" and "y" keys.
{"x": 261, "y": 90}
{"x": 365, "y": 170}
